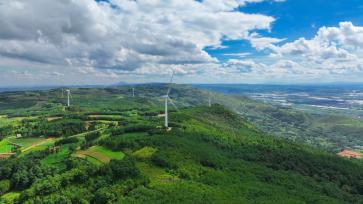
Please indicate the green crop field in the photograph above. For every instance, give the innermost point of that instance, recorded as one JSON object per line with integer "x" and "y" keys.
{"x": 5, "y": 146}
{"x": 26, "y": 142}
{"x": 108, "y": 153}
{"x": 101, "y": 154}
{"x": 57, "y": 158}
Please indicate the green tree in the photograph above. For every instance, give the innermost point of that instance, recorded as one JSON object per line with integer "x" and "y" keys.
{"x": 4, "y": 186}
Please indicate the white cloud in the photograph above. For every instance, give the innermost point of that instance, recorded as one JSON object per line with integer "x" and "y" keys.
{"x": 125, "y": 35}
{"x": 229, "y": 5}
{"x": 68, "y": 39}
{"x": 239, "y": 55}
{"x": 262, "y": 43}
{"x": 333, "y": 54}
{"x": 242, "y": 66}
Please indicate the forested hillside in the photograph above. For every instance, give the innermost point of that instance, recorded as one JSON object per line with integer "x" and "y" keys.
{"x": 110, "y": 147}
{"x": 329, "y": 130}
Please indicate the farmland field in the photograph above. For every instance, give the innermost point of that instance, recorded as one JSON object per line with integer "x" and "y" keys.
{"x": 56, "y": 158}
{"x": 5, "y": 146}
{"x": 26, "y": 142}
{"x": 101, "y": 154}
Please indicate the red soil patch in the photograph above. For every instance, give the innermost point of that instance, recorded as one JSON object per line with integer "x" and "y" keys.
{"x": 99, "y": 156}
{"x": 350, "y": 154}
{"x": 5, "y": 155}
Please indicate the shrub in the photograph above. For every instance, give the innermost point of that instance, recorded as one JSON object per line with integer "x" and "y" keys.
{"x": 161, "y": 159}
{"x": 123, "y": 168}
{"x": 67, "y": 141}
{"x": 4, "y": 186}
{"x": 117, "y": 131}
{"x": 92, "y": 136}
{"x": 138, "y": 128}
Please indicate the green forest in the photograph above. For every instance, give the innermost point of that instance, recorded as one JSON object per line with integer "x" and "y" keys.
{"x": 111, "y": 147}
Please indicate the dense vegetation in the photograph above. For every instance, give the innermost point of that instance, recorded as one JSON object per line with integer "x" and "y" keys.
{"x": 114, "y": 150}
{"x": 330, "y": 131}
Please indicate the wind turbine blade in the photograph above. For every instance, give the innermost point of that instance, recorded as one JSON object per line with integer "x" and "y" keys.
{"x": 172, "y": 77}
{"x": 171, "y": 81}
{"x": 172, "y": 103}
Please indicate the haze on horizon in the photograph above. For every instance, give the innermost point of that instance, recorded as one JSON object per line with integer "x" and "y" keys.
{"x": 79, "y": 42}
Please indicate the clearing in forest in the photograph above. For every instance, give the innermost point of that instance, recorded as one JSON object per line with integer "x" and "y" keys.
{"x": 100, "y": 153}
{"x": 145, "y": 152}
{"x": 28, "y": 144}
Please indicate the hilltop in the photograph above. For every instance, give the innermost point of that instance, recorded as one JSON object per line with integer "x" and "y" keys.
{"x": 110, "y": 147}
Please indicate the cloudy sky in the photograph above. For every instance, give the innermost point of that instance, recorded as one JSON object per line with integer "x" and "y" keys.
{"x": 62, "y": 42}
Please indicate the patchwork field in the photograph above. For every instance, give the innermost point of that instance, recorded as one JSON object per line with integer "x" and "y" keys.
{"x": 100, "y": 154}
{"x": 26, "y": 144}
{"x": 29, "y": 144}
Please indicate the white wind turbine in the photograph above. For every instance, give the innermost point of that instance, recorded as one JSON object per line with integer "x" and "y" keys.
{"x": 133, "y": 92}
{"x": 69, "y": 95}
{"x": 168, "y": 99}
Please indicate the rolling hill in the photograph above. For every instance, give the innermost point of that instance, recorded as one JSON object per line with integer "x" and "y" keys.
{"x": 109, "y": 147}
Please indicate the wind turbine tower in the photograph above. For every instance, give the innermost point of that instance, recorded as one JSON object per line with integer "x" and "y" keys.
{"x": 209, "y": 102}
{"x": 68, "y": 97}
{"x": 167, "y": 99}
{"x": 166, "y": 123}
{"x": 133, "y": 92}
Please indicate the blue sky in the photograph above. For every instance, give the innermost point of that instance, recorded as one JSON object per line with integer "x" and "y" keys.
{"x": 295, "y": 19}
{"x": 204, "y": 41}
{"x": 298, "y": 18}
